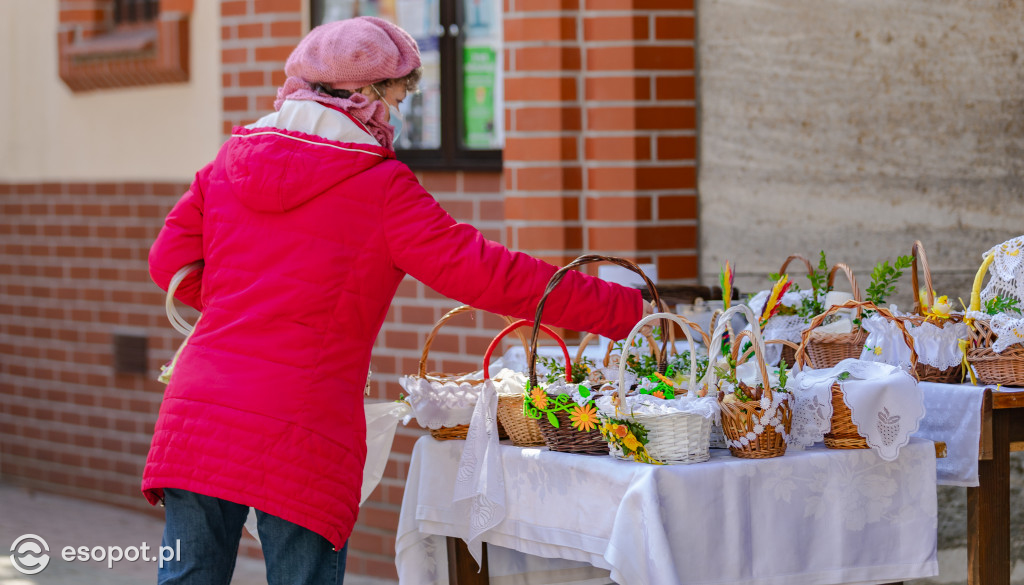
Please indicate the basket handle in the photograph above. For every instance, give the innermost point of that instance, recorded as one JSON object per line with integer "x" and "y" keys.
{"x": 177, "y": 321}
{"x": 560, "y": 274}
{"x": 715, "y": 348}
{"x": 917, "y": 251}
{"x": 746, "y": 355}
{"x": 801, "y": 258}
{"x": 849, "y": 277}
{"x": 684, "y": 325}
{"x": 801, "y": 352}
{"x": 519, "y": 325}
{"x": 437, "y": 327}
{"x": 978, "y": 279}
{"x": 651, "y": 341}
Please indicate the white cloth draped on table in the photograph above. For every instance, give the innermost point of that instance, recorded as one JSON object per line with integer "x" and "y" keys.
{"x": 479, "y": 492}
{"x": 817, "y": 516}
{"x": 954, "y": 417}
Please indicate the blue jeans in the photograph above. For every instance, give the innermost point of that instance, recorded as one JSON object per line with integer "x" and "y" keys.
{"x": 209, "y": 530}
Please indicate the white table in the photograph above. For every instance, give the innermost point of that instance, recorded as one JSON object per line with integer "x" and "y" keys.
{"x": 815, "y": 517}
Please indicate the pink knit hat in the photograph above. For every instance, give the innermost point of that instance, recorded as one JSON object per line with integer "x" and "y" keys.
{"x": 350, "y": 54}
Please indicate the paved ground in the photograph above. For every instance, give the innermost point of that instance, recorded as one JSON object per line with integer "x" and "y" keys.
{"x": 63, "y": 521}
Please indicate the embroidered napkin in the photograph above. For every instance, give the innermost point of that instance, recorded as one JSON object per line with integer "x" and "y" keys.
{"x": 885, "y": 402}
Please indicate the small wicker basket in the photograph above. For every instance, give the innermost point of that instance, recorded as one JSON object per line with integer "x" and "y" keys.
{"x": 1006, "y": 368}
{"x": 741, "y": 420}
{"x": 459, "y": 431}
{"x": 825, "y": 350}
{"x": 844, "y": 433}
{"x": 926, "y": 372}
{"x": 564, "y": 437}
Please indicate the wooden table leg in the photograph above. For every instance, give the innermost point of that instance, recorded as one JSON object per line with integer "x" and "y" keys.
{"x": 988, "y": 511}
{"x": 462, "y": 569}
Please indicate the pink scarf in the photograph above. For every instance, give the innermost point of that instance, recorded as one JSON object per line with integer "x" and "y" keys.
{"x": 370, "y": 113}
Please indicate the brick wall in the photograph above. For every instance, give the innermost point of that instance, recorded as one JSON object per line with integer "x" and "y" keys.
{"x": 73, "y": 273}
{"x": 602, "y": 130}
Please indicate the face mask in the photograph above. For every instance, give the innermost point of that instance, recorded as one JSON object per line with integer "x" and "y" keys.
{"x": 396, "y": 116}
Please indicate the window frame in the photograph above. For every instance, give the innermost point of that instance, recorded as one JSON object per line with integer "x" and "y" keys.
{"x": 96, "y": 53}
{"x": 450, "y": 156}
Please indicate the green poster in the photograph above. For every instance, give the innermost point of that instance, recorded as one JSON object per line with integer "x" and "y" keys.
{"x": 478, "y": 76}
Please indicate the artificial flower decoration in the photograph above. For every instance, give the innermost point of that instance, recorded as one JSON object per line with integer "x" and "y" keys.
{"x": 772, "y": 305}
{"x": 725, "y": 279}
{"x": 584, "y": 418}
{"x": 628, "y": 437}
{"x": 539, "y": 398}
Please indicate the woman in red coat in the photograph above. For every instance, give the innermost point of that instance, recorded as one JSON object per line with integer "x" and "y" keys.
{"x": 306, "y": 225}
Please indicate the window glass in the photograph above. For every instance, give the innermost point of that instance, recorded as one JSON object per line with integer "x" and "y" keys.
{"x": 421, "y": 19}
{"x": 482, "y": 118}
{"x": 456, "y": 120}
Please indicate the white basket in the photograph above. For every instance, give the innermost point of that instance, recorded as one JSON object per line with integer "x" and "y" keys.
{"x": 678, "y": 430}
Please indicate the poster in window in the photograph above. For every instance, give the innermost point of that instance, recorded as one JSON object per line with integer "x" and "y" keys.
{"x": 480, "y": 19}
{"x": 479, "y": 65}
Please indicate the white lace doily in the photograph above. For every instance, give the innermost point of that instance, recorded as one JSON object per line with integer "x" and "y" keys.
{"x": 885, "y": 403}
{"x": 437, "y": 404}
{"x": 1006, "y": 271}
{"x": 1006, "y": 280}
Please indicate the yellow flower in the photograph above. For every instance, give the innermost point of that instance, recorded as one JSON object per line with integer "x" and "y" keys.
{"x": 630, "y": 442}
{"x": 539, "y": 397}
{"x": 877, "y": 350}
{"x": 584, "y": 418}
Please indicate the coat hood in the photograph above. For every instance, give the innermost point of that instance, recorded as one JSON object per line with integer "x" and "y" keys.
{"x": 275, "y": 170}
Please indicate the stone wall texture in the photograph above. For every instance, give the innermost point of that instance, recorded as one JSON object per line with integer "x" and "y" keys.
{"x": 858, "y": 127}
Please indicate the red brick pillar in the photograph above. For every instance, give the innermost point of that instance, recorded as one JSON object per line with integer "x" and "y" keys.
{"x": 256, "y": 38}
{"x": 600, "y": 152}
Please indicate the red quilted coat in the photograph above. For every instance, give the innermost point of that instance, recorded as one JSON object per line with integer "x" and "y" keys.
{"x": 305, "y": 241}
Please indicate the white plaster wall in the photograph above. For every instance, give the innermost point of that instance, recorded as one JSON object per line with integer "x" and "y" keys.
{"x": 857, "y": 126}
{"x": 152, "y": 133}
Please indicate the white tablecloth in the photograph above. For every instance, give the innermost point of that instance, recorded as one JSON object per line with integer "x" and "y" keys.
{"x": 814, "y": 517}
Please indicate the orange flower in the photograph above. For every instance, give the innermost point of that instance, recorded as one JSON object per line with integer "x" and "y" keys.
{"x": 584, "y": 418}
{"x": 620, "y": 430}
{"x": 539, "y": 397}
{"x": 658, "y": 394}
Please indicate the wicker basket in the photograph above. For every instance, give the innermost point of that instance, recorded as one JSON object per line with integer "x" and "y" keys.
{"x": 564, "y": 437}
{"x": 670, "y": 437}
{"x": 844, "y": 433}
{"x": 740, "y": 420}
{"x": 825, "y": 350}
{"x": 1006, "y": 368}
{"x": 926, "y": 372}
{"x": 522, "y": 430}
{"x": 458, "y": 431}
